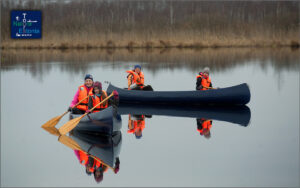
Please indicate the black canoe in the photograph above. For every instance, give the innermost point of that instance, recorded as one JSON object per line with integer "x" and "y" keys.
{"x": 235, "y": 95}
{"x": 234, "y": 114}
{"x": 106, "y": 148}
{"x": 105, "y": 122}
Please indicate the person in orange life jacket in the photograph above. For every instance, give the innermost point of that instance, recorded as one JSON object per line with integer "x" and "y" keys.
{"x": 136, "y": 125}
{"x": 99, "y": 168}
{"x": 83, "y": 91}
{"x": 203, "y": 127}
{"x": 203, "y": 80}
{"x": 84, "y": 160}
{"x": 90, "y": 165}
{"x": 135, "y": 78}
{"x": 99, "y": 171}
{"x": 98, "y": 96}
{"x": 82, "y": 157}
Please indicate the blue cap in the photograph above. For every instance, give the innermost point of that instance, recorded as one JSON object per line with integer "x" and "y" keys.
{"x": 138, "y": 136}
{"x": 137, "y": 66}
{"x": 88, "y": 76}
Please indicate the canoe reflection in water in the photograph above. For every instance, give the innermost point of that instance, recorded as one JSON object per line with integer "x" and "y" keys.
{"x": 96, "y": 152}
{"x": 204, "y": 115}
{"x": 105, "y": 122}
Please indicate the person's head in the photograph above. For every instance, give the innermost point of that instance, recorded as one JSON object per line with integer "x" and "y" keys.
{"x": 87, "y": 170}
{"x": 97, "y": 87}
{"x": 137, "y": 117}
{"x": 88, "y": 80}
{"x": 138, "y": 134}
{"x": 98, "y": 175}
{"x": 206, "y": 71}
{"x": 206, "y": 133}
{"x": 137, "y": 68}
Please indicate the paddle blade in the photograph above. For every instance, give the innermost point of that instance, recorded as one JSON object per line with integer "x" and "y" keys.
{"x": 69, "y": 142}
{"x": 52, "y": 122}
{"x": 70, "y": 125}
{"x": 52, "y": 130}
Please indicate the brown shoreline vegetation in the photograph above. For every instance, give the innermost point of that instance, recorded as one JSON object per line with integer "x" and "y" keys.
{"x": 150, "y": 24}
{"x": 218, "y": 59}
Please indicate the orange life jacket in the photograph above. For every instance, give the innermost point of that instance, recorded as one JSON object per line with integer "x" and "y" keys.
{"x": 205, "y": 125}
{"x": 133, "y": 79}
{"x": 83, "y": 158}
{"x": 136, "y": 124}
{"x": 97, "y": 100}
{"x": 97, "y": 163}
{"x": 205, "y": 82}
{"x": 82, "y": 94}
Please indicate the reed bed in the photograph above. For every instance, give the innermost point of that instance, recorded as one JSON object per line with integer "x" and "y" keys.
{"x": 129, "y": 24}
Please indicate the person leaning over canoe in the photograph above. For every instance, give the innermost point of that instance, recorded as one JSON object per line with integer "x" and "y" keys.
{"x": 82, "y": 92}
{"x": 204, "y": 126}
{"x": 98, "y": 96}
{"x": 203, "y": 80}
{"x": 135, "y": 78}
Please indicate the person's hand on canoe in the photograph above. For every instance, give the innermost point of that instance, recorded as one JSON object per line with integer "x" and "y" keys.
{"x": 70, "y": 109}
{"x": 116, "y": 95}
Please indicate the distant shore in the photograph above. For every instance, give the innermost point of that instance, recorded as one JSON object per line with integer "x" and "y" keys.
{"x": 82, "y": 24}
{"x": 39, "y": 44}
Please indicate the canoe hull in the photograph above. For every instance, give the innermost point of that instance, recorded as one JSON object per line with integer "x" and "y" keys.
{"x": 235, "y": 95}
{"x": 106, "y": 148}
{"x": 234, "y": 114}
{"x": 104, "y": 122}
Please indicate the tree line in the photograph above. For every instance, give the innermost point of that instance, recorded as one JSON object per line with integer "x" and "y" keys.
{"x": 155, "y": 23}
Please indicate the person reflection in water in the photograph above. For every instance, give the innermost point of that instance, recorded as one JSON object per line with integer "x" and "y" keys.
{"x": 83, "y": 160}
{"x": 204, "y": 126}
{"x": 94, "y": 165}
{"x": 136, "y": 125}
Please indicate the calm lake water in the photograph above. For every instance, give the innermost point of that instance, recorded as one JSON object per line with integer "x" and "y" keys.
{"x": 37, "y": 85}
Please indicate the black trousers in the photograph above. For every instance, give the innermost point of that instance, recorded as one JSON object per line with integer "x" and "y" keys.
{"x": 77, "y": 111}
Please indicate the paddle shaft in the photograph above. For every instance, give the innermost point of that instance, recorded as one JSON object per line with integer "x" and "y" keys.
{"x": 209, "y": 87}
{"x": 101, "y": 102}
{"x": 80, "y": 101}
{"x": 75, "y": 105}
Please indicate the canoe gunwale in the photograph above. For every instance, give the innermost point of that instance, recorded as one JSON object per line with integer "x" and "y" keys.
{"x": 234, "y": 95}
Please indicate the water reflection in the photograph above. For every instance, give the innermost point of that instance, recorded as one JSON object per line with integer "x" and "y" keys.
{"x": 96, "y": 153}
{"x": 105, "y": 122}
{"x": 79, "y": 61}
{"x": 204, "y": 126}
{"x": 204, "y": 115}
{"x": 105, "y": 148}
{"x": 234, "y": 114}
{"x": 136, "y": 125}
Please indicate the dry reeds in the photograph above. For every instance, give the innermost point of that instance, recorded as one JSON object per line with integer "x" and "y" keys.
{"x": 129, "y": 24}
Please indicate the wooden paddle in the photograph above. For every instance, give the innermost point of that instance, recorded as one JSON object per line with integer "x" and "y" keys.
{"x": 209, "y": 87}
{"x": 70, "y": 125}
{"x": 69, "y": 142}
{"x": 52, "y": 130}
{"x": 52, "y": 122}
